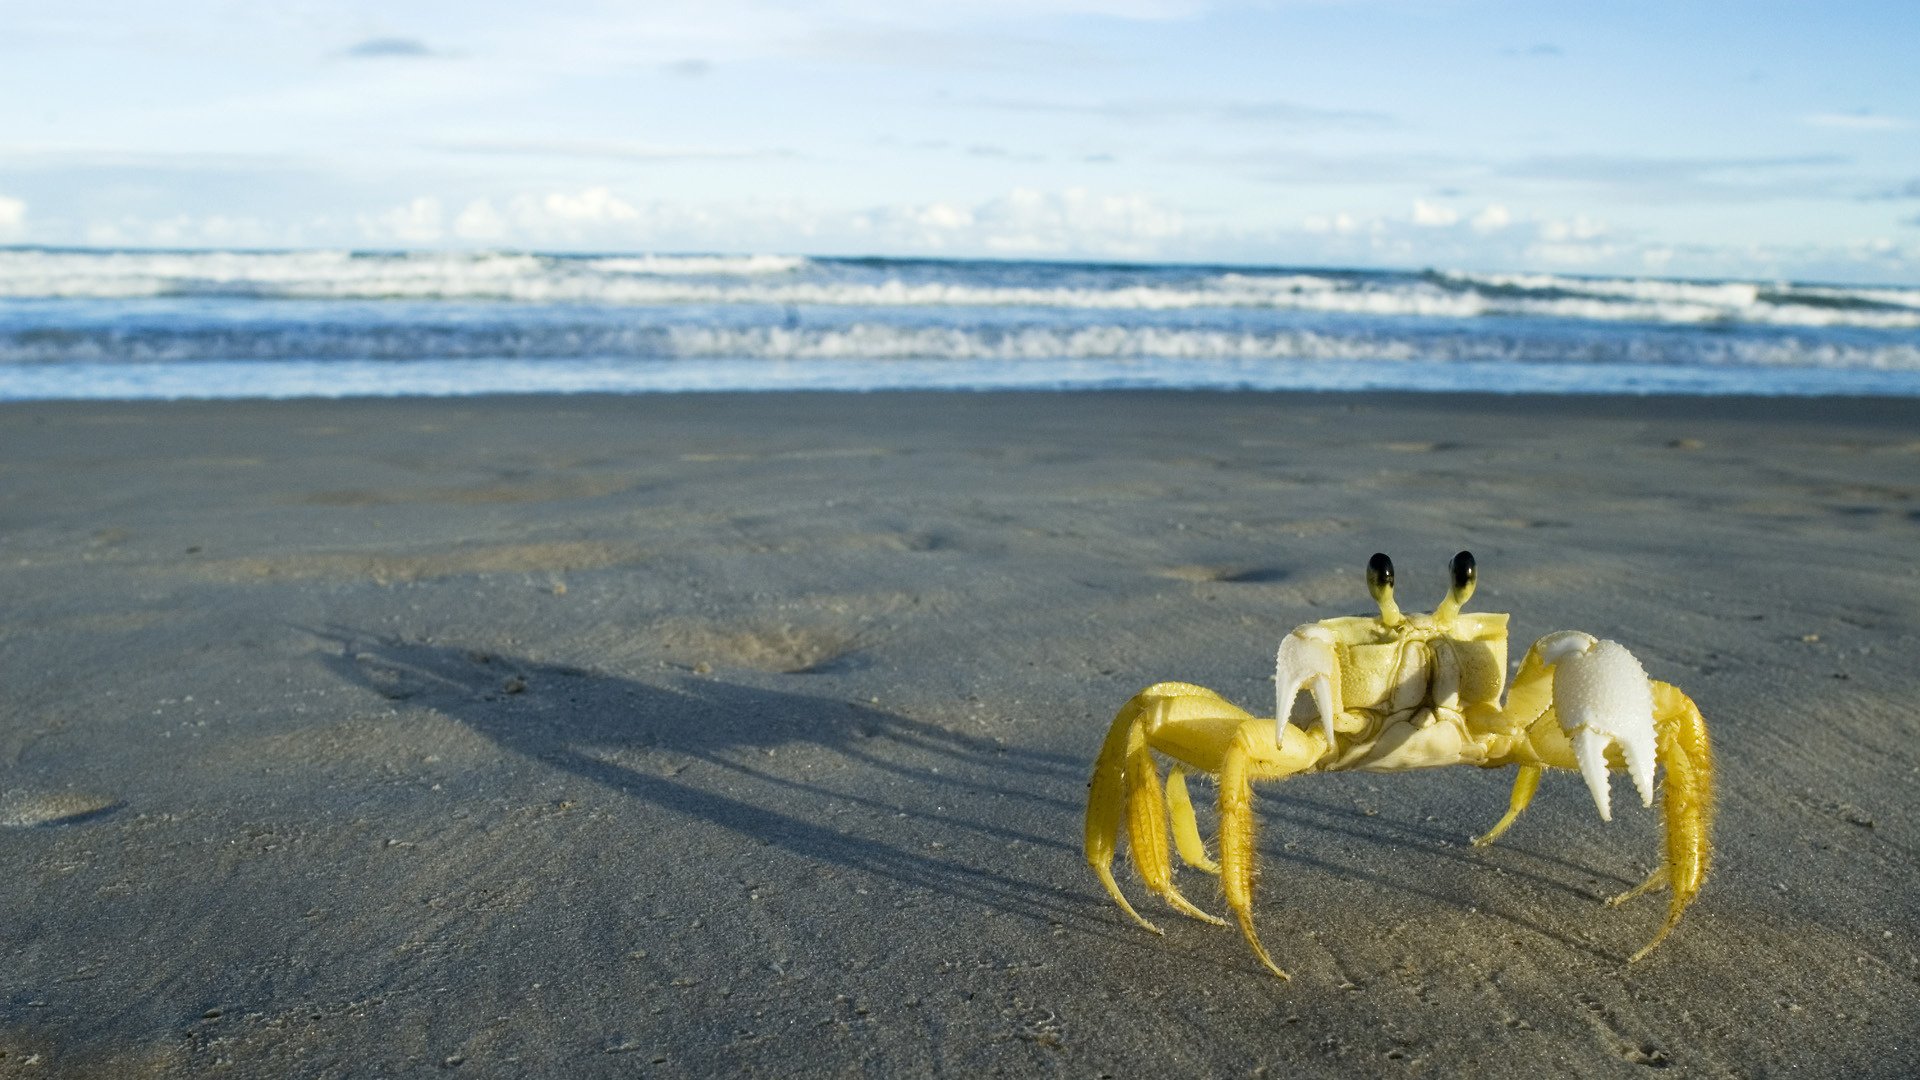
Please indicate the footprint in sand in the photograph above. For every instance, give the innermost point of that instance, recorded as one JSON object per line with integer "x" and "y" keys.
{"x": 22, "y": 811}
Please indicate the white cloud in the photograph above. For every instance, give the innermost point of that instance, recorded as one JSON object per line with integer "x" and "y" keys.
{"x": 1579, "y": 227}
{"x": 13, "y": 217}
{"x": 1026, "y": 221}
{"x": 1341, "y": 223}
{"x": 1494, "y": 218}
{"x": 593, "y": 215}
{"x": 601, "y": 149}
{"x": 415, "y": 222}
{"x": 481, "y": 222}
{"x": 1433, "y": 215}
{"x": 1576, "y": 255}
{"x": 943, "y": 215}
{"x": 187, "y": 230}
{"x": 592, "y": 206}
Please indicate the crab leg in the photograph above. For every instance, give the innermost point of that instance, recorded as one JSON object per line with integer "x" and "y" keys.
{"x": 1186, "y": 831}
{"x": 1126, "y": 784}
{"x": 1237, "y": 845}
{"x": 1525, "y": 782}
{"x": 1687, "y": 757}
{"x": 1106, "y": 799}
{"x": 1249, "y": 757}
{"x": 1147, "y": 826}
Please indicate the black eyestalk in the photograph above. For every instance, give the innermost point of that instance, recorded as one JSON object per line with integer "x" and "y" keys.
{"x": 1465, "y": 575}
{"x": 1380, "y": 585}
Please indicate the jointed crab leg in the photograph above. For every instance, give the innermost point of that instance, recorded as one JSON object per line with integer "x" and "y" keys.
{"x": 1251, "y": 755}
{"x": 1237, "y": 843}
{"x": 1200, "y": 730}
{"x": 1186, "y": 831}
{"x": 1687, "y": 757}
{"x": 1526, "y": 781}
{"x": 1147, "y": 826}
{"x": 1105, "y": 802}
{"x": 1126, "y": 782}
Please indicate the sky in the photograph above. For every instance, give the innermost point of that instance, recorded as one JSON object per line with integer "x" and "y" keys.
{"x": 1700, "y": 139}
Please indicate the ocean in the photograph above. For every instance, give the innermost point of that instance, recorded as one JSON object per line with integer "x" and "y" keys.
{"x": 90, "y": 324}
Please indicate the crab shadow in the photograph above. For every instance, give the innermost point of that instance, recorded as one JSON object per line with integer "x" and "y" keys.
{"x": 708, "y": 749}
{"x": 711, "y": 750}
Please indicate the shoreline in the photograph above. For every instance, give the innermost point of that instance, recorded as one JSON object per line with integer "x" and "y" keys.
{"x": 218, "y": 380}
{"x": 702, "y": 733}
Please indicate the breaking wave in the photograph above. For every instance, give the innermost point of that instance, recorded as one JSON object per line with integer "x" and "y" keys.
{"x": 793, "y": 281}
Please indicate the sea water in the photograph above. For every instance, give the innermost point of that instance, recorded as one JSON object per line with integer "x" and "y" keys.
{"x": 224, "y": 324}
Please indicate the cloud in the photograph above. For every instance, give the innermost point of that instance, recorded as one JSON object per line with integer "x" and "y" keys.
{"x": 480, "y": 222}
{"x": 1492, "y": 219}
{"x": 1908, "y": 190}
{"x": 1621, "y": 177}
{"x": 1076, "y": 220}
{"x": 417, "y": 222}
{"x": 1670, "y": 179}
{"x": 388, "y": 48}
{"x": 597, "y": 149}
{"x": 994, "y": 151}
{"x": 189, "y": 230}
{"x": 1580, "y": 227}
{"x": 1073, "y": 222}
{"x": 13, "y": 217}
{"x": 691, "y": 67}
{"x": 533, "y": 219}
{"x": 1289, "y": 166}
{"x": 1435, "y": 235}
{"x": 941, "y": 47}
{"x": 1343, "y": 223}
{"x": 1030, "y": 222}
{"x": 593, "y": 206}
{"x": 1862, "y": 120}
{"x": 1259, "y": 112}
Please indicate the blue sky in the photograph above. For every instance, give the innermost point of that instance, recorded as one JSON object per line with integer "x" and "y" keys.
{"x": 1688, "y": 139}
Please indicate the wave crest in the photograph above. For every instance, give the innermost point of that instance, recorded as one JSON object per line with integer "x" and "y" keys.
{"x": 768, "y": 280}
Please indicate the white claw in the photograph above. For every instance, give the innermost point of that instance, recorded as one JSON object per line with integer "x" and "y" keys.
{"x": 1640, "y": 754}
{"x": 1590, "y": 750}
{"x": 1306, "y": 662}
{"x": 1603, "y": 698}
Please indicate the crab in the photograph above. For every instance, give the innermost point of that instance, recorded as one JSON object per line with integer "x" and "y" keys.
{"x": 1391, "y": 692}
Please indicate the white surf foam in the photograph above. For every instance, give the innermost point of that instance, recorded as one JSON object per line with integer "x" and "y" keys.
{"x": 792, "y": 281}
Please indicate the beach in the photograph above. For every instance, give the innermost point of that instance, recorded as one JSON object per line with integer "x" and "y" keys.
{"x": 749, "y": 734}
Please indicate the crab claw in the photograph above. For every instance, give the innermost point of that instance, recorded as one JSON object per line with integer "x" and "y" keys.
{"x": 1603, "y": 698}
{"x": 1307, "y": 662}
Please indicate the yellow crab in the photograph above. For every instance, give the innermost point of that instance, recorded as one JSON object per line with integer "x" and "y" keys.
{"x": 1401, "y": 691}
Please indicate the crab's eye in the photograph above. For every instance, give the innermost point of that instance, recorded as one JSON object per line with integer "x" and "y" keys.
{"x": 1379, "y": 574}
{"x": 1462, "y": 568}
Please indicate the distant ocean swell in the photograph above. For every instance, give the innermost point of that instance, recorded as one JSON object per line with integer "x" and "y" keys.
{"x": 795, "y": 281}
{"x": 214, "y": 324}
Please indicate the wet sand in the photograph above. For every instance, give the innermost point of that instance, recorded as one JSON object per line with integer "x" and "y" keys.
{"x": 717, "y": 735}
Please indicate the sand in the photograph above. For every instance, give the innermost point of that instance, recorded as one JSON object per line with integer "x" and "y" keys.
{"x": 718, "y": 735}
